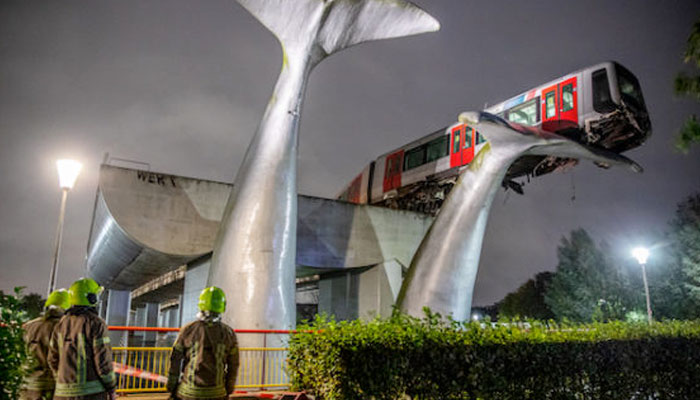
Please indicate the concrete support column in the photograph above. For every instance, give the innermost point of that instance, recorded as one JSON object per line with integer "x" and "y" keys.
{"x": 176, "y": 320}
{"x": 150, "y": 320}
{"x": 117, "y": 314}
{"x": 139, "y": 320}
{"x": 338, "y": 295}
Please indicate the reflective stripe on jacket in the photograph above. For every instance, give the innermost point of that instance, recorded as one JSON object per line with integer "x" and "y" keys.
{"x": 80, "y": 355}
{"x": 204, "y": 361}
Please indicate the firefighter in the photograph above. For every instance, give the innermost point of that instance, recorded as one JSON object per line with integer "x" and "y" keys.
{"x": 39, "y": 382}
{"x": 80, "y": 355}
{"x": 204, "y": 361}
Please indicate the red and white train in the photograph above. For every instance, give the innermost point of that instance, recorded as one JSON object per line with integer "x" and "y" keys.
{"x": 601, "y": 105}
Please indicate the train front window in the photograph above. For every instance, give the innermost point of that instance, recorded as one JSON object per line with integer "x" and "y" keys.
{"x": 602, "y": 101}
{"x": 629, "y": 87}
{"x": 567, "y": 97}
{"x": 479, "y": 139}
{"x": 455, "y": 143}
{"x": 525, "y": 113}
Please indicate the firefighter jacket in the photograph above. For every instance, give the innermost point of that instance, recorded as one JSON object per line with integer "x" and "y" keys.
{"x": 38, "y": 379}
{"x": 81, "y": 357}
{"x": 206, "y": 352}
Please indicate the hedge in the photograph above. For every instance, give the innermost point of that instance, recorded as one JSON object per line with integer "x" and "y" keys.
{"x": 12, "y": 350}
{"x": 409, "y": 358}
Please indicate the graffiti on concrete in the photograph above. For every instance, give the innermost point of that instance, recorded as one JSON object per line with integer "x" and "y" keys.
{"x": 156, "y": 178}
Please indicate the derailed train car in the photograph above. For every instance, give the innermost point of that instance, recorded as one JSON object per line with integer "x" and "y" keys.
{"x": 601, "y": 106}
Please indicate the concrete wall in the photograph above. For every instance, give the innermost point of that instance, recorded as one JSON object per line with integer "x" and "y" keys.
{"x": 360, "y": 293}
{"x": 195, "y": 281}
{"x": 378, "y": 289}
{"x": 334, "y": 234}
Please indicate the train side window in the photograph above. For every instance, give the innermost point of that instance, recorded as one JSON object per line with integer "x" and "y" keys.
{"x": 467, "y": 137}
{"x": 479, "y": 139}
{"x": 551, "y": 105}
{"x": 526, "y": 113}
{"x": 567, "y": 97}
{"x": 602, "y": 101}
{"x": 414, "y": 158}
{"x": 455, "y": 144}
{"x": 437, "y": 148}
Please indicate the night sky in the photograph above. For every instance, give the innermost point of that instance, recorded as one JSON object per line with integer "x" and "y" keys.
{"x": 182, "y": 85}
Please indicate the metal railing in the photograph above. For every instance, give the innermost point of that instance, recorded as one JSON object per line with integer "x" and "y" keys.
{"x": 260, "y": 367}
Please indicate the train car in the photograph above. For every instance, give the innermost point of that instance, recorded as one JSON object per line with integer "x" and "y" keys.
{"x": 601, "y": 106}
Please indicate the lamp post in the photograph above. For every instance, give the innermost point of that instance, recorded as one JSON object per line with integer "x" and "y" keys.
{"x": 642, "y": 254}
{"x": 68, "y": 171}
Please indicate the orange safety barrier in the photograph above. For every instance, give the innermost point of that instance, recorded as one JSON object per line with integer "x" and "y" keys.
{"x": 260, "y": 367}
{"x": 159, "y": 329}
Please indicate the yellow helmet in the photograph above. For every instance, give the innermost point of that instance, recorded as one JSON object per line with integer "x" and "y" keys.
{"x": 212, "y": 299}
{"x": 58, "y": 298}
{"x": 84, "y": 292}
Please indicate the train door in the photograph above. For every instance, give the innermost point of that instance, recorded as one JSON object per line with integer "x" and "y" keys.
{"x": 568, "y": 111}
{"x": 550, "y": 108}
{"x": 468, "y": 145}
{"x": 456, "y": 136}
{"x": 560, "y": 106}
{"x": 392, "y": 171}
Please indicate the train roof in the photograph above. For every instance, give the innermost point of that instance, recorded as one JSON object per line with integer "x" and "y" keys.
{"x": 520, "y": 98}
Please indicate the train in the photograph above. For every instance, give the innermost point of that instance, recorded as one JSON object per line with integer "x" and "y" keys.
{"x": 601, "y": 106}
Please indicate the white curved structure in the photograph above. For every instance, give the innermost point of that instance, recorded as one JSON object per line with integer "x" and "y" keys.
{"x": 443, "y": 270}
{"x": 254, "y": 254}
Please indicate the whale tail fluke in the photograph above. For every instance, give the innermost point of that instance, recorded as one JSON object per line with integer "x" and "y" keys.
{"x": 338, "y": 24}
{"x": 536, "y": 141}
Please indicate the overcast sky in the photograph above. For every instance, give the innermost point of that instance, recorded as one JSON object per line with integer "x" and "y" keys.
{"x": 182, "y": 85}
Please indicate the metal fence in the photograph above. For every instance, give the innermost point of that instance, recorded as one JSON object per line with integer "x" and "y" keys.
{"x": 259, "y": 368}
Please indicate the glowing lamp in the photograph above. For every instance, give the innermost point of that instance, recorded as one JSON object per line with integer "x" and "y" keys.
{"x": 68, "y": 171}
{"x": 641, "y": 254}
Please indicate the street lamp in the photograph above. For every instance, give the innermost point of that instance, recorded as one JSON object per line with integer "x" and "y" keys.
{"x": 68, "y": 171}
{"x": 642, "y": 254}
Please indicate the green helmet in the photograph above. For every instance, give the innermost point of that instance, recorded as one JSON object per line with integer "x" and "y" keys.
{"x": 58, "y": 298}
{"x": 212, "y": 299}
{"x": 84, "y": 292}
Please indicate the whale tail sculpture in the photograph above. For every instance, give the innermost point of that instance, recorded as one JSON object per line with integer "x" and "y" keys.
{"x": 254, "y": 258}
{"x": 443, "y": 270}
{"x": 337, "y": 24}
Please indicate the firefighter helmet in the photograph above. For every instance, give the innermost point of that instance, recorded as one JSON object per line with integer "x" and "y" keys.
{"x": 84, "y": 292}
{"x": 58, "y": 298}
{"x": 212, "y": 299}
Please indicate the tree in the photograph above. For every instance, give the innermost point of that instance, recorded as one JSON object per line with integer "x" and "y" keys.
{"x": 689, "y": 85}
{"x": 32, "y": 304}
{"x": 587, "y": 285}
{"x": 12, "y": 351}
{"x": 685, "y": 239}
{"x": 528, "y": 300}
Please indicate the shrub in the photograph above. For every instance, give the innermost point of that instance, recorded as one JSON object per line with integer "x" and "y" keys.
{"x": 12, "y": 350}
{"x": 431, "y": 358}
